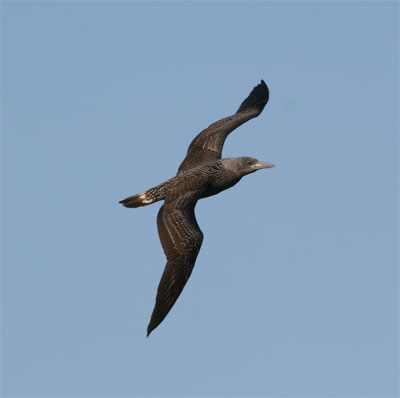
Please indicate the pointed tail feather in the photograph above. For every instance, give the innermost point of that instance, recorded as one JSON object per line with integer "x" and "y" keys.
{"x": 146, "y": 198}
{"x": 141, "y": 199}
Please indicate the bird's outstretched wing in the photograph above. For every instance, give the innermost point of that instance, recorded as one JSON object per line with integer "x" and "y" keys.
{"x": 181, "y": 240}
{"x": 208, "y": 144}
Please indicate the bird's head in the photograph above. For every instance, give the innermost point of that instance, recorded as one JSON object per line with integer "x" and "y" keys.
{"x": 245, "y": 165}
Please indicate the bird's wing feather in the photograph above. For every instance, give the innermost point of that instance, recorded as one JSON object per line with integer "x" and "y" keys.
{"x": 181, "y": 240}
{"x": 207, "y": 145}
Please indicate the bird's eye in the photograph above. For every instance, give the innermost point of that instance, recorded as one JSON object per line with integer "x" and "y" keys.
{"x": 250, "y": 162}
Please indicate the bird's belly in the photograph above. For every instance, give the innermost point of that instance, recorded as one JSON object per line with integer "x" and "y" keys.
{"x": 214, "y": 189}
{"x": 210, "y": 192}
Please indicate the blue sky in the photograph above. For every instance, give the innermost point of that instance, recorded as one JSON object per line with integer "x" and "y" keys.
{"x": 295, "y": 290}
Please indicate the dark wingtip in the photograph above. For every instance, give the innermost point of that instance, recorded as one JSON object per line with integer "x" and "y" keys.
{"x": 257, "y": 99}
{"x": 149, "y": 330}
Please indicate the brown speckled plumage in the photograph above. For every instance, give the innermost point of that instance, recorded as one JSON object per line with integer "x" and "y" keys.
{"x": 202, "y": 173}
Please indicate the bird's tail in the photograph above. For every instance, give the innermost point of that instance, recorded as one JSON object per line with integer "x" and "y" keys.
{"x": 146, "y": 198}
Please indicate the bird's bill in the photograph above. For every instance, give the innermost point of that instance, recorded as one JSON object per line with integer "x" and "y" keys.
{"x": 262, "y": 165}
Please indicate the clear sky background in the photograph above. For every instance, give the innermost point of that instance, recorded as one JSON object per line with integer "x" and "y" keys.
{"x": 295, "y": 290}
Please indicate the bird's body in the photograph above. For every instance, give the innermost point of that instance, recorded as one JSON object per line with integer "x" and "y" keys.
{"x": 202, "y": 173}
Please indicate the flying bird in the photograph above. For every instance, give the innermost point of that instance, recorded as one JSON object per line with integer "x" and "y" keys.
{"x": 202, "y": 173}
